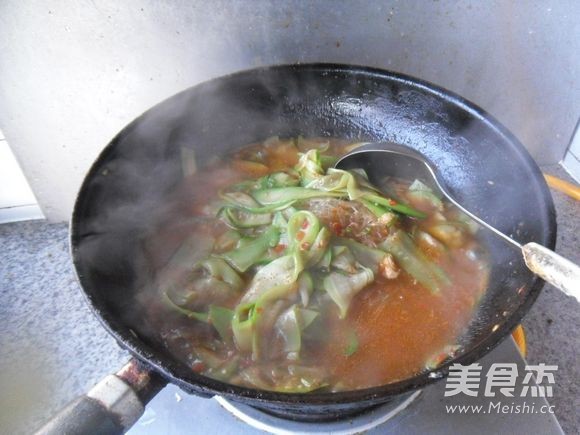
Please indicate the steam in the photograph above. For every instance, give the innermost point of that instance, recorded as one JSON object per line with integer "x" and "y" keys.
{"x": 130, "y": 190}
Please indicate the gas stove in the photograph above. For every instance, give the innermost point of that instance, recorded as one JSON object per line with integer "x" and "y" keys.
{"x": 427, "y": 411}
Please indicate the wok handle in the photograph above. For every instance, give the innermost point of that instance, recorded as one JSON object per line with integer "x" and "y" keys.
{"x": 110, "y": 407}
{"x": 553, "y": 268}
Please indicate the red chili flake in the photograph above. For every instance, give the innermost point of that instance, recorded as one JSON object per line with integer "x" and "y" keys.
{"x": 305, "y": 246}
{"x": 304, "y": 224}
{"x": 392, "y": 202}
{"x": 300, "y": 235}
{"x": 198, "y": 367}
{"x": 336, "y": 228}
{"x": 279, "y": 248}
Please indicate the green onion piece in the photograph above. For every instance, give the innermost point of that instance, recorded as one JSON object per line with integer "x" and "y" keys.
{"x": 375, "y": 209}
{"x": 391, "y": 204}
{"x": 351, "y": 344}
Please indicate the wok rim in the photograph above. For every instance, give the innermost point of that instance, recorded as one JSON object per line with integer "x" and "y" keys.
{"x": 205, "y": 386}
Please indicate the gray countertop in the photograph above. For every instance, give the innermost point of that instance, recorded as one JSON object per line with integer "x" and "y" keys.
{"x": 52, "y": 348}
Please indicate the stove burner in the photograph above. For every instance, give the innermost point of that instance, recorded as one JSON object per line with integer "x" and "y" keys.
{"x": 351, "y": 425}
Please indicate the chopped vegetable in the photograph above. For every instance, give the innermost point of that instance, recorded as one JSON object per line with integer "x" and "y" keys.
{"x": 250, "y": 252}
{"x": 278, "y": 179}
{"x": 310, "y": 167}
{"x": 202, "y": 317}
{"x": 368, "y": 257}
{"x": 352, "y": 343}
{"x": 284, "y": 195}
{"x": 400, "y": 245}
{"x": 221, "y": 319}
{"x": 342, "y": 288}
{"x": 421, "y": 194}
{"x": 289, "y": 258}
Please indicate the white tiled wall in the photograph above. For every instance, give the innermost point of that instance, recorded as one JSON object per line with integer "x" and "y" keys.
{"x": 17, "y": 202}
{"x": 572, "y": 158}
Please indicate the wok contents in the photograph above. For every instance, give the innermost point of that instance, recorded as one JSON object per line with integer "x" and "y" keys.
{"x": 289, "y": 275}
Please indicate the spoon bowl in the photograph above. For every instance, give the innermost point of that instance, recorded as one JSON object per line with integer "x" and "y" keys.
{"x": 379, "y": 159}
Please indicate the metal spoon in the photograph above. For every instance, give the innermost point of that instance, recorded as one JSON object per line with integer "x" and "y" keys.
{"x": 381, "y": 158}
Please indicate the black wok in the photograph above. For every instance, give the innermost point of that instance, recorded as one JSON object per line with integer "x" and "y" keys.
{"x": 484, "y": 165}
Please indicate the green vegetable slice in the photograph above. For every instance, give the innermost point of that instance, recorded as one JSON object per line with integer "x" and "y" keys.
{"x": 290, "y": 325}
{"x": 221, "y": 319}
{"x": 411, "y": 259}
{"x": 249, "y": 253}
{"x": 278, "y": 179}
{"x": 243, "y": 326}
{"x": 309, "y": 167}
{"x": 342, "y": 288}
{"x": 202, "y": 317}
{"x": 305, "y": 287}
{"x": 284, "y": 195}
{"x": 238, "y": 218}
{"x": 351, "y": 343}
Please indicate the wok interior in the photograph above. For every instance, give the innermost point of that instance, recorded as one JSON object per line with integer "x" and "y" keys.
{"x": 125, "y": 192}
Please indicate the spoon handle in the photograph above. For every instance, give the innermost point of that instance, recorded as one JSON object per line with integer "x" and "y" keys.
{"x": 553, "y": 268}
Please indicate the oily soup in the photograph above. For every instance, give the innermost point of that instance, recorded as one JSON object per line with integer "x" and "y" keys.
{"x": 284, "y": 274}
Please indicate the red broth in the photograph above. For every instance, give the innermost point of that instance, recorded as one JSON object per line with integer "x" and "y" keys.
{"x": 394, "y": 327}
